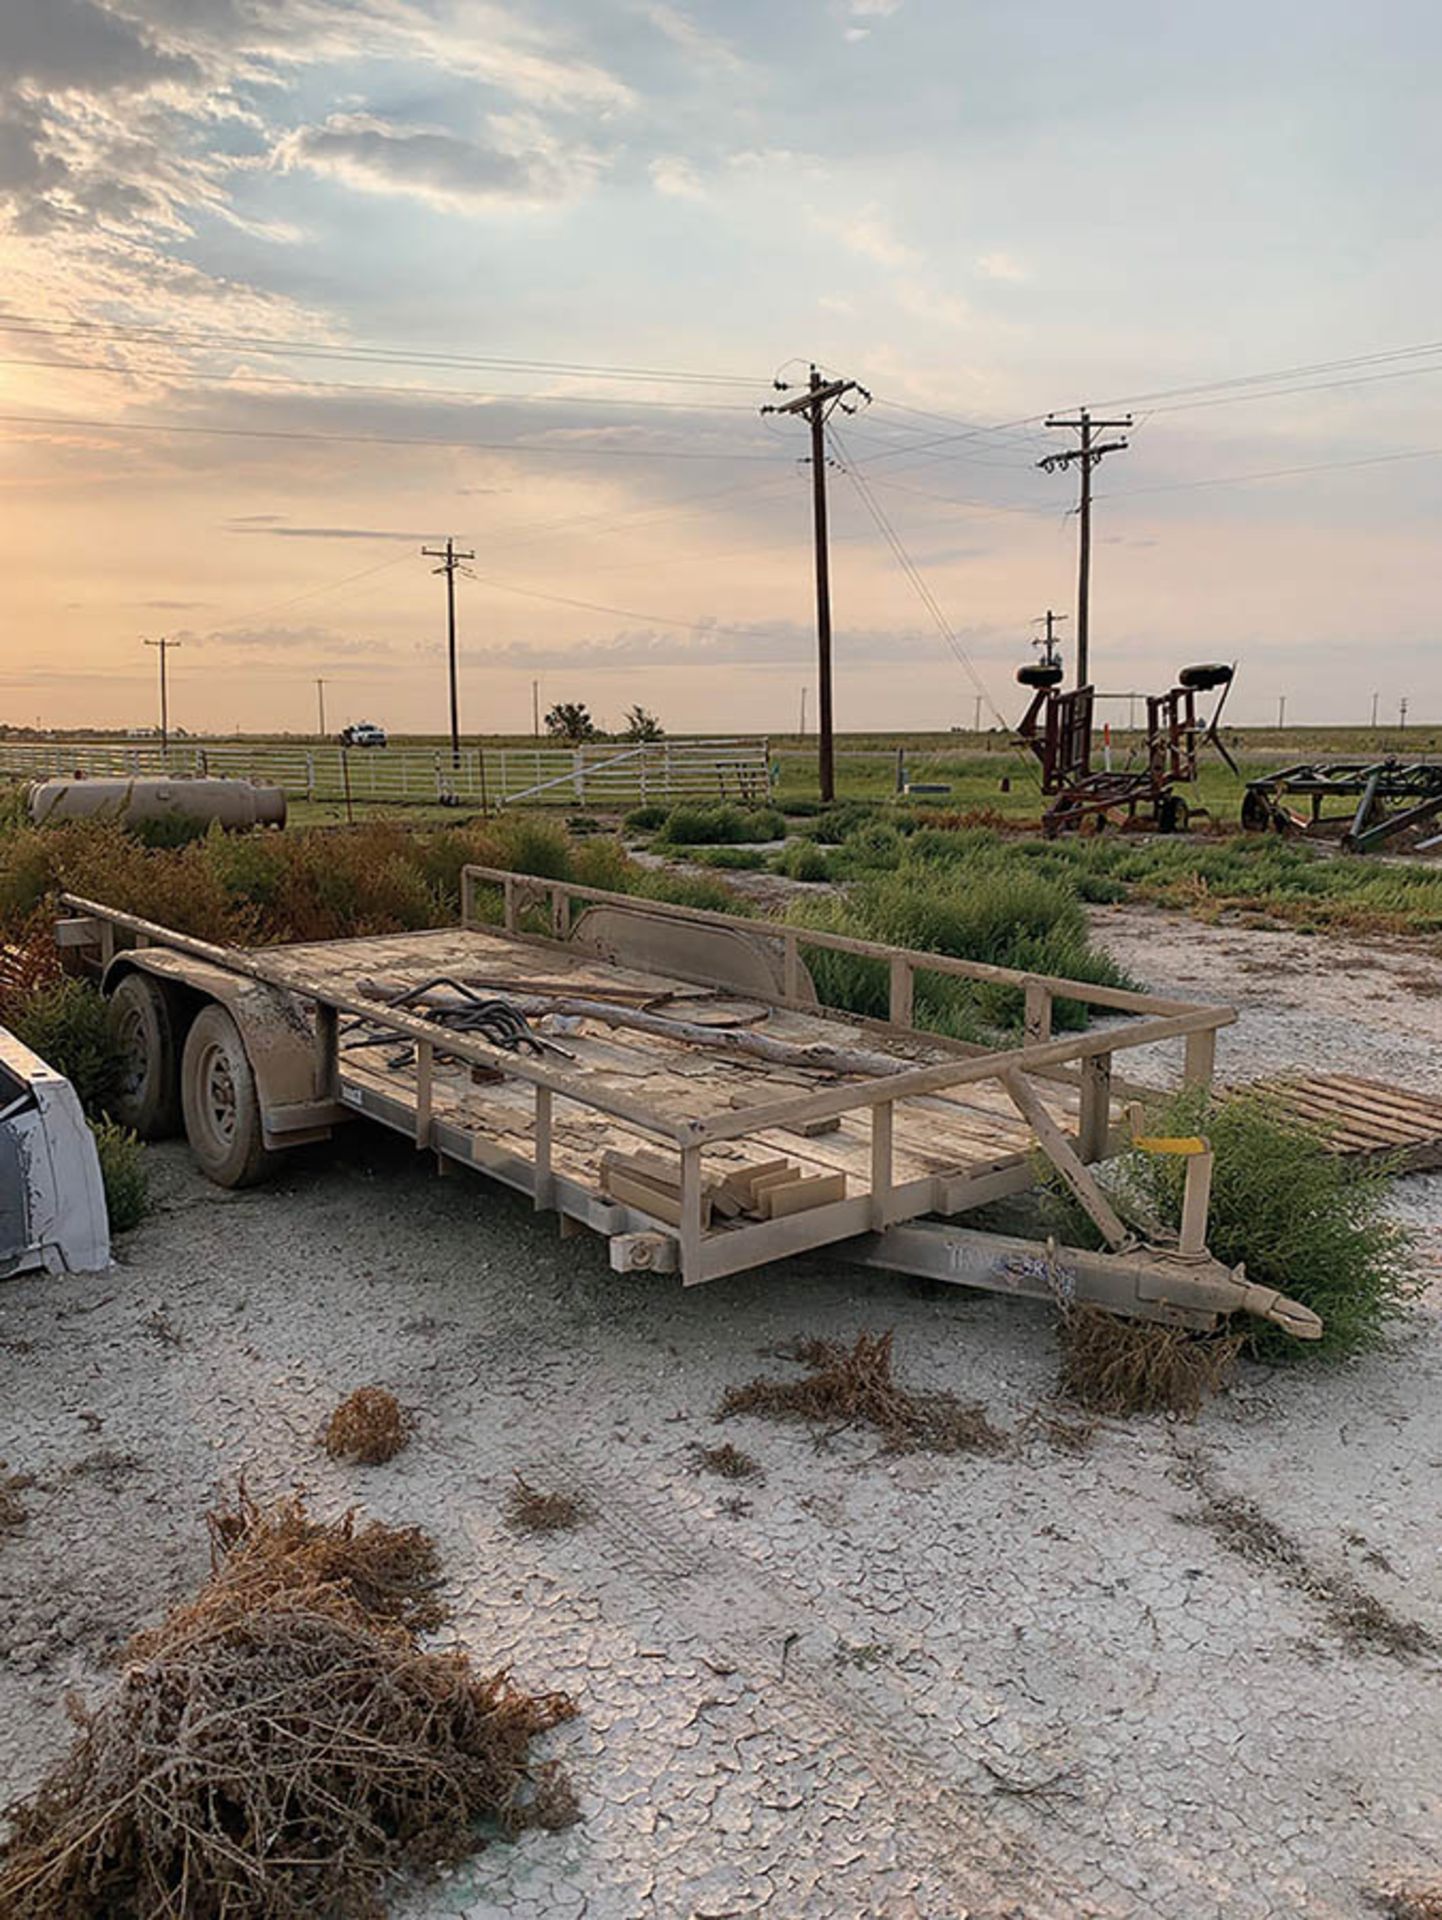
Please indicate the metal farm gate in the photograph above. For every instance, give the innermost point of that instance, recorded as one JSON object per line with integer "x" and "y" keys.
{"x": 607, "y": 775}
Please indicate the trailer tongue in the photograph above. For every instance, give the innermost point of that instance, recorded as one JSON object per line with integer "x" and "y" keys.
{"x": 670, "y": 1079}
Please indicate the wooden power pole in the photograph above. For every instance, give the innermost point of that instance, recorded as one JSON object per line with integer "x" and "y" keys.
{"x": 450, "y": 560}
{"x": 165, "y": 646}
{"x": 1086, "y": 453}
{"x": 816, "y": 404}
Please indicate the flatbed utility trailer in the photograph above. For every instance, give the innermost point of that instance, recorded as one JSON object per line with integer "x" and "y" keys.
{"x": 678, "y": 1086}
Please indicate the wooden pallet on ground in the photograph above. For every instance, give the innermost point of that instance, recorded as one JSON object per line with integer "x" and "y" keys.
{"x": 1361, "y": 1119}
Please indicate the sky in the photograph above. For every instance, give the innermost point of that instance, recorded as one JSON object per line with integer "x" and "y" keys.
{"x": 290, "y": 289}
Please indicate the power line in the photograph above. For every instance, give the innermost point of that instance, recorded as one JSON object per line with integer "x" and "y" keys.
{"x": 1275, "y": 473}
{"x": 914, "y": 576}
{"x": 194, "y": 377}
{"x": 69, "y": 422}
{"x": 316, "y": 349}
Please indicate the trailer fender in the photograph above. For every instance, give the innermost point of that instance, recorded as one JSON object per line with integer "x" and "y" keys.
{"x": 277, "y": 1029}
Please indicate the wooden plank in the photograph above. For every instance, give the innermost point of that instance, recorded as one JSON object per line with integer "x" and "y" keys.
{"x": 798, "y": 1196}
{"x": 657, "y": 1201}
{"x": 1416, "y": 1109}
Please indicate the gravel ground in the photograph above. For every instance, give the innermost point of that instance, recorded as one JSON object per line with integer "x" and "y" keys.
{"x": 1040, "y": 1685}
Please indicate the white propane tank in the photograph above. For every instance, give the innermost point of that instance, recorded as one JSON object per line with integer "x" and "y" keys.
{"x": 236, "y": 804}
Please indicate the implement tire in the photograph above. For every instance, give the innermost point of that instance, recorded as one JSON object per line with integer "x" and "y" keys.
{"x": 218, "y": 1097}
{"x": 143, "y": 1019}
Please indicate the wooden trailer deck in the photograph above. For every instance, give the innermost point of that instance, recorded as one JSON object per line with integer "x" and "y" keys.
{"x": 974, "y": 1134}
{"x": 689, "y": 1051}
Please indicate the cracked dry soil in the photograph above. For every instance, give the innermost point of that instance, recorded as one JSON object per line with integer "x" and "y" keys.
{"x": 1039, "y": 1683}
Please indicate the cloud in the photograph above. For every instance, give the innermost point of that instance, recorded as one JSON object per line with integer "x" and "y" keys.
{"x": 290, "y": 640}
{"x": 676, "y": 177}
{"x": 763, "y": 644}
{"x": 705, "y": 48}
{"x": 860, "y": 10}
{"x": 278, "y": 532}
{"x": 867, "y": 233}
{"x": 427, "y": 163}
{"x": 78, "y": 43}
{"x": 1001, "y": 266}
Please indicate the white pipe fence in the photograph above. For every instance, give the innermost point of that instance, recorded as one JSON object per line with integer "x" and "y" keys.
{"x": 606, "y": 775}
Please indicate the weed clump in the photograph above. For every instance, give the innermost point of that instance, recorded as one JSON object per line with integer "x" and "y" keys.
{"x": 978, "y": 908}
{"x": 854, "y": 1386}
{"x": 529, "y": 1510}
{"x": 803, "y": 861}
{"x": 68, "y": 1024}
{"x": 13, "y": 1511}
{"x": 1410, "y": 1903}
{"x": 1115, "y": 1367}
{"x": 370, "y": 1425}
{"x": 690, "y": 825}
{"x": 124, "y": 1174}
{"x": 279, "y": 1747}
{"x": 728, "y": 1462}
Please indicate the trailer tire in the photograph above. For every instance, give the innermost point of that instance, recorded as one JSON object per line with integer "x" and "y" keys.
{"x": 218, "y": 1097}
{"x": 143, "y": 1019}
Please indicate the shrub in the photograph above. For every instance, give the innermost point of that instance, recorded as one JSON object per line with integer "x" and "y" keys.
{"x": 605, "y": 863}
{"x": 841, "y": 818}
{"x": 1303, "y": 1219}
{"x": 169, "y": 830}
{"x": 68, "y": 1025}
{"x": 690, "y": 890}
{"x": 647, "y": 817}
{"x": 733, "y": 859}
{"x": 691, "y": 825}
{"x": 1003, "y": 918}
{"x": 802, "y": 861}
{"x": 125, "y": 1175}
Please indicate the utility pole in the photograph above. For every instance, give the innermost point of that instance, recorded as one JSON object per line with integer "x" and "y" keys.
{"x": 976, "y": 714}
{"x": 1402, "y": 711}
{"x": 1281, "y": 711}
{"x": 1050, "y": 655}
{"x": 165, "y": 646}
{"x": 536, "y": 708}
{"x": 817, "y": 404}
{"x": 320, "y": 702}
{"x": 450, "y": 560}
{"x": 1088, "y": 452}
{"x": 1374, "y": 712}
{"x": 803, "y": 713}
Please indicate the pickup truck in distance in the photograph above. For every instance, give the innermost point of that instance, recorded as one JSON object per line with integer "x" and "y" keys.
{"x": 362, "y": 734}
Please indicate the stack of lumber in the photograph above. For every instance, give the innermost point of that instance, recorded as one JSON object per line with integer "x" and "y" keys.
{"x": 769, "y": 1190}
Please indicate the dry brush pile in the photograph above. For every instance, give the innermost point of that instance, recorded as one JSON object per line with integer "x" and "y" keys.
{"x": 855, "y": 1386}
{"x": 370, "y": 1426}
{"x": 282, "y": 1746}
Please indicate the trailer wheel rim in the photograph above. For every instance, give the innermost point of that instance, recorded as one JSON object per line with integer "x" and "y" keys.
{"x": 133, "y": 1044}
{"x": 217, "y": 1092}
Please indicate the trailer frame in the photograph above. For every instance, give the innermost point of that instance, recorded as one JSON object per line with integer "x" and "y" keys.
{"x": 290, "y": 1010}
